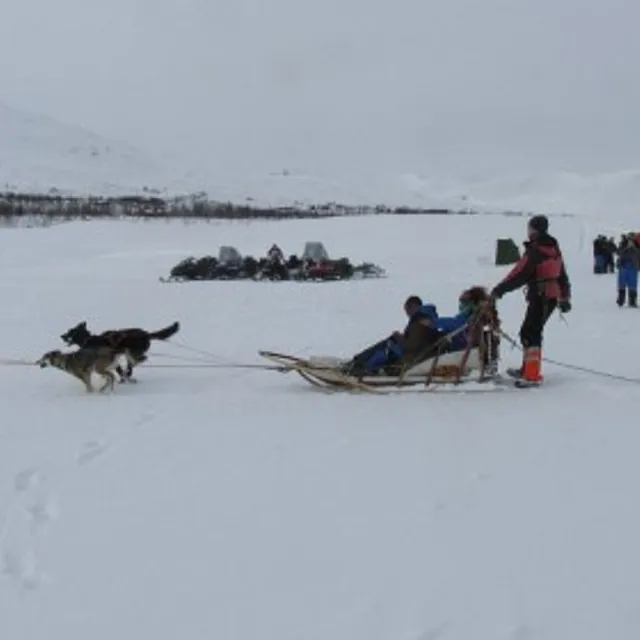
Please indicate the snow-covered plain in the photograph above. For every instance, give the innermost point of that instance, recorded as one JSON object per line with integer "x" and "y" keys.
{"x": 241, "y": 504}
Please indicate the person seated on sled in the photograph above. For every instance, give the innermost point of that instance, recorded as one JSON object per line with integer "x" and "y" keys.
{"x": 453, "y": 326}
{"x": 401, "y": 347}
{"x": 474, "y": 325}
{"x": 472, "y": 301}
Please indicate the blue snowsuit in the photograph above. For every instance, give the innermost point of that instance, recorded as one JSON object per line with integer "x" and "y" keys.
{"x": 629, "y": 258}
{"x": 453, "y": 323}
{"x": 389, "y": 350}
{"x": 628, "y": 277}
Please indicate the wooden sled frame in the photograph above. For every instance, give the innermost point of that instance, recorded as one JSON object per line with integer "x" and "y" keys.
{"x": 312, "y": 373}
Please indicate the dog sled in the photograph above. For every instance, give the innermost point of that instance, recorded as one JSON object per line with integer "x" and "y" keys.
{"x": 434, "y": 374}
{"x": 437, "y": 367}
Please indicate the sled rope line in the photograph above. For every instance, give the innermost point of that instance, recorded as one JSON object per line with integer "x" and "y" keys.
{"x": 5, "y": 362}
{"x": 201, "y": 352}
{"x": 575, "y": 367}
{"x": 186, "y": 359}
{"x": 207, "y": 359}
{"x": 214, "y": 365}
{"x": 16, "y": 362}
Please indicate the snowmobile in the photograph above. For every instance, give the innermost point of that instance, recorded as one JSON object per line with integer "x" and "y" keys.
{"x": 274, "y": 267}
{"x": 229, "y": 265}
{"x": 272, "y": 271}
{"x": 315, "y": 264}
{"x": 193, "y": 269}
{"x": 326, "y": 270}
{"x": 369, "y": 270}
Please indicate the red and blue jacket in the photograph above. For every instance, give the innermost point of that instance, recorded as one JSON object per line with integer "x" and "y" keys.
{"x": 541, "y": 269}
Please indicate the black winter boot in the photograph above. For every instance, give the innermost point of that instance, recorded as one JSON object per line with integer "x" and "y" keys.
{"x": 621, "y": 297}
{"x": 633, "y": 298}
{"x": 512, "y": 372}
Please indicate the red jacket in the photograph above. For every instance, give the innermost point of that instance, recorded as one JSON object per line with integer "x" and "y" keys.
{"x": 541, "y": 269}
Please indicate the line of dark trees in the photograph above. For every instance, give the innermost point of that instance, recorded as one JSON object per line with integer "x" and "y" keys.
{"x": 55, "y": 206}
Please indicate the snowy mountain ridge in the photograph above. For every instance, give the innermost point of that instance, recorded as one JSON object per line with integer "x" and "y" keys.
{"x": 38, "y": 154}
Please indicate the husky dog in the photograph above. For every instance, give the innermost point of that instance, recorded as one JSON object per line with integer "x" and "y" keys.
{"x": 83, "y": 362}
{"x": 135, "y": 341}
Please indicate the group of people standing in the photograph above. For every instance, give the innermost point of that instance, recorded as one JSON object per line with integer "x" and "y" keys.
{"x": 627, "y": 262}
{"x": 604, "y": 254}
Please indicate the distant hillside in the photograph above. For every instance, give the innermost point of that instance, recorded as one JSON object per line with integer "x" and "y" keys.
{"x": 38, "y": 153}
{"x": 52, "y": 169}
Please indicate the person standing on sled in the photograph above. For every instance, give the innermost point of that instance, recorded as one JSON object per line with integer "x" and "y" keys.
{"x": 541, "y": 269}
{"x": 628, "y": 263}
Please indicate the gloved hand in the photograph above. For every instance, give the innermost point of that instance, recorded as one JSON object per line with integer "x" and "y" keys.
{"x": 495, "y": 294}
{"x": 564, "y": 306}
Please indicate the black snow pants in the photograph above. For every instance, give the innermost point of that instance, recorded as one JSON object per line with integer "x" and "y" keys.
{"x": 539, "y": 310}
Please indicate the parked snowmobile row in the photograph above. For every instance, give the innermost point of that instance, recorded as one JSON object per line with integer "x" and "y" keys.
{"x": 313, "y": 265}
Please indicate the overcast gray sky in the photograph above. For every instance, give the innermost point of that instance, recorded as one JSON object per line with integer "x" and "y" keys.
{"x": 453, "y": 86}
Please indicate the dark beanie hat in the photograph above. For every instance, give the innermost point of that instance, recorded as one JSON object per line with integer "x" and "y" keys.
{"x": 539, "y": 224}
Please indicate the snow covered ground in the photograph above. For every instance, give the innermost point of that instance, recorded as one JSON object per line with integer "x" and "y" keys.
{"x": 241, "y": 504}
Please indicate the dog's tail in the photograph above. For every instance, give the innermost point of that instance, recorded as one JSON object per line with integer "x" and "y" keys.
{"x": 166, "y": 333}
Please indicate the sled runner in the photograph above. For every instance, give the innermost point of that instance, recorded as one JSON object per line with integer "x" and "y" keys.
{"x": 445, "y": 371}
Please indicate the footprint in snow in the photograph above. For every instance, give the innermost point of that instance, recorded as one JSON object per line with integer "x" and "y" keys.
{"x": 41, "y": 514}
{"x": 26, "y": 479}
{"x": 521, "y": 633}
{"x": 435, "y": 633}
{"x": 90, "y": 451}
{"x": 22, "y": 568}
{"x": 144, "y": 419}
{"x": 31, "y": 511}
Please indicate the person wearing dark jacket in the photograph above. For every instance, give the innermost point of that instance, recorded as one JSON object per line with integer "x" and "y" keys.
{"x": 600, "y": 250}
{"x": 542, "y": 270}
{"x": 612, "y": 249}
{"x": 401, "y": 348}
{"x": 628, "y": 264}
